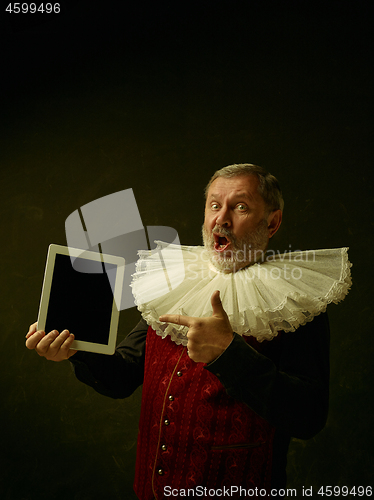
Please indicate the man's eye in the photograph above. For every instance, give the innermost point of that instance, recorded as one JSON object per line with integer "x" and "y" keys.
{"x": 242, "y": 207}
{"x": 214, "y": 206}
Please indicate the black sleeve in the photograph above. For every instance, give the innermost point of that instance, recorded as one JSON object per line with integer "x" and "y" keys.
{"x": 291, "y": 390}
{"x": 116, "y": 376}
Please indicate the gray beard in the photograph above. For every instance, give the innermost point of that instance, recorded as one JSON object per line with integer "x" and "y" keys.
{"x": 243, "y": 252}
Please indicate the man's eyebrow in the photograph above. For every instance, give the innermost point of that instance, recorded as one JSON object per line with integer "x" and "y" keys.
{"x": 244, "y": 195}
{"x": 238, "y": 195}
{"x": 213, "y": 195}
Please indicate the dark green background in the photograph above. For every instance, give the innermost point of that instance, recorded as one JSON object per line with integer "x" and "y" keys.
{"x": 156, "y": 97}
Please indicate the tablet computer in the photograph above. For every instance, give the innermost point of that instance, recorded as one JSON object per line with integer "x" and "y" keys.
{"x": 81, "y": 291}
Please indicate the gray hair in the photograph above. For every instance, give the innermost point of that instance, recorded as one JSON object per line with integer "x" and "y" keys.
{"x": 268, "y": 187}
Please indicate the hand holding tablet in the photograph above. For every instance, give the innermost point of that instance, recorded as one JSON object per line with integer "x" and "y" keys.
{"x": 52, "y": 346}
{"x": 80, "y": 293}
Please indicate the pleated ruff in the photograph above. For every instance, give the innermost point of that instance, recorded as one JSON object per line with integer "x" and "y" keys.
{"x": 282, "y": 293}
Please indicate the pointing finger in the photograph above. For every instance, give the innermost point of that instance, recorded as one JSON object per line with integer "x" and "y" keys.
{"x": 176, "y": 319}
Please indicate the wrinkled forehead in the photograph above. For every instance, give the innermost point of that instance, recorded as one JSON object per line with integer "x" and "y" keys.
{"x": 243, "y": 187}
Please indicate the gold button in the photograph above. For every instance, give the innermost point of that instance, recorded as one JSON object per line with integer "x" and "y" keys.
{"x": 164, "y": 447}
{"x": 166, "y": 422}
{"x": 171, "y": 398}
{"x": 160, "y": 472}
{"x": 179, "y": 374}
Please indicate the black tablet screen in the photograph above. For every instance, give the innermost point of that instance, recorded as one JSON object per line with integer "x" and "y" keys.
{"x": 80, "y": 302}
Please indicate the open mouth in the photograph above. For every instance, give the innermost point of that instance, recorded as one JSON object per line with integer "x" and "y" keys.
{"x": 221, "y": 243}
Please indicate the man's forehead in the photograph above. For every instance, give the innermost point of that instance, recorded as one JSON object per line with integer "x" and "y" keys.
{"x": 235, "y": 187}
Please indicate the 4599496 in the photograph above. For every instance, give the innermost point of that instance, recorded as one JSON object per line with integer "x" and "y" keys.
{"x": 33, "y": 8}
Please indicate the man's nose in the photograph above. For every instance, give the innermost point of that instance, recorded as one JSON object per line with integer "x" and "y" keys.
{"x": 223, "y": 219}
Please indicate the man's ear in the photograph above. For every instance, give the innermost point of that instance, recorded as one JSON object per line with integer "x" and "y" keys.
{"x": 274, "y": 221}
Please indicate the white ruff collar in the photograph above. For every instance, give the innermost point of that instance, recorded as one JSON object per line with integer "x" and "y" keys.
{"x": 282, "y": 293}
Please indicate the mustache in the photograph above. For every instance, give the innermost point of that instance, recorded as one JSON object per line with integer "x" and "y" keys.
{"x": 224, "y": 232}
{"x": 252, "y": 240}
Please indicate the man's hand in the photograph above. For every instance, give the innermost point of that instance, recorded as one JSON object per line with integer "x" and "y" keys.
{"x": 54, "y": 346}
{"x": 207, "y": 337}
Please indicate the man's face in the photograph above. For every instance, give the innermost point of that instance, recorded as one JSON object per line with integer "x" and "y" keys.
{"x": 235, "y": 230}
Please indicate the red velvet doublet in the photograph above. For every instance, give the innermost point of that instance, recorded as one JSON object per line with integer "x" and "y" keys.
{"x": 191, "y": 432}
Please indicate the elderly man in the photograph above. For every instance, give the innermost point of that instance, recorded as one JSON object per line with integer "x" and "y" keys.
{"x": 219, "y": 410}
